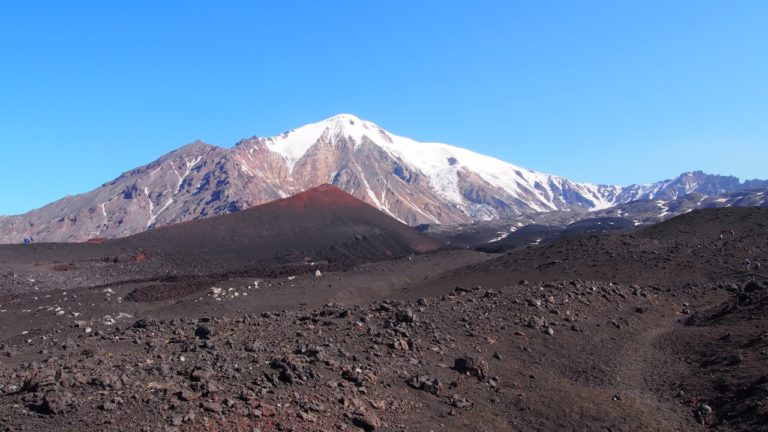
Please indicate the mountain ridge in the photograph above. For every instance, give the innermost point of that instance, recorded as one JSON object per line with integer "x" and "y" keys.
{"x": 414, "y": 182}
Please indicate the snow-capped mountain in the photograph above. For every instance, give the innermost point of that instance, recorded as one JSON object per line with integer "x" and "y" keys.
{"x": 412, "y": 181}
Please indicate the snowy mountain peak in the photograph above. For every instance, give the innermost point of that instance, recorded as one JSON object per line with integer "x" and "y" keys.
{"x": 349, "y": 126}
{"x": 341, "y": 124}
{"x": 344, "y": 117}
{"x": 293, "y": 144}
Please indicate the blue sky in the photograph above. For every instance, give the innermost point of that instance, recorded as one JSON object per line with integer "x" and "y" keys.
{"x": 600, "y": 91}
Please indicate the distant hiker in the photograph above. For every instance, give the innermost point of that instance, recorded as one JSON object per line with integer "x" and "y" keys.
{"x": 733, "y": 234}
{"x": 757, "y": 267}
{"x": 748, "y": 265}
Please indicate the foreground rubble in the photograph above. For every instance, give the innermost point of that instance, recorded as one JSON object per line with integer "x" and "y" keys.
{"x": 561, "y": 355}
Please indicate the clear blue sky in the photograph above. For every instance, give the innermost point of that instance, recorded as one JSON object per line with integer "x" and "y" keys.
{"x": 603, "y": 91}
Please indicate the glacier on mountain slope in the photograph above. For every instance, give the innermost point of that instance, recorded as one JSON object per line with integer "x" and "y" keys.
{"x": 440, "y": 164}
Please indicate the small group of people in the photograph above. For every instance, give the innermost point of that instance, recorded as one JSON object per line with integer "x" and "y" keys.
{"x": 752, "y": 266}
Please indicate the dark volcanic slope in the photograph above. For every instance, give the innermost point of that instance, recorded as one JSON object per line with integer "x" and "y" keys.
{"x": 323, "y": 225}
{"x": 537, "y": 234}
{"x": 684, "y": 249}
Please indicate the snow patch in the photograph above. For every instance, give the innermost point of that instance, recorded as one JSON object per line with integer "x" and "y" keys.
{"x": 246, "y": 171}
{"x": 189, "y": 165}
{"x": 501, "y": 237}
{"x": 151, "y": 204}
{"x": 368, "y": 189}
{"x": 663, "y": 207}
{"x": 503, "y": 234}
{"x": 152, "y": 215}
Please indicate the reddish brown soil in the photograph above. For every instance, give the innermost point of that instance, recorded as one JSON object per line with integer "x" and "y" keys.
{"x": 96, "y": 240}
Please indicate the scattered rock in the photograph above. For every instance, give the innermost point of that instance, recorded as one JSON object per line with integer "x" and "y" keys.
{"x": 472, "y": 365}
{"x": 56, "y": 402}
{"x": 203, "y": 331}
{"x": 367, "y": 422}
{"x": 188, "y": 395}
{"x": 353, "y": 376}
{"x": 39, "y": 379}
{"x": 106, "y": 380}
{"x": 213, "y": 407}
{"x": 200, "y": 374}
{"x": 405, "y": 316}
{"x": 401, "y": 344}
{"x": 308, "y": 417}
{"x": 426, "y": 383}
{"x": 459, "y": 401}
{"x": 534, "y": 302}
{"x": 107, "y": 406}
